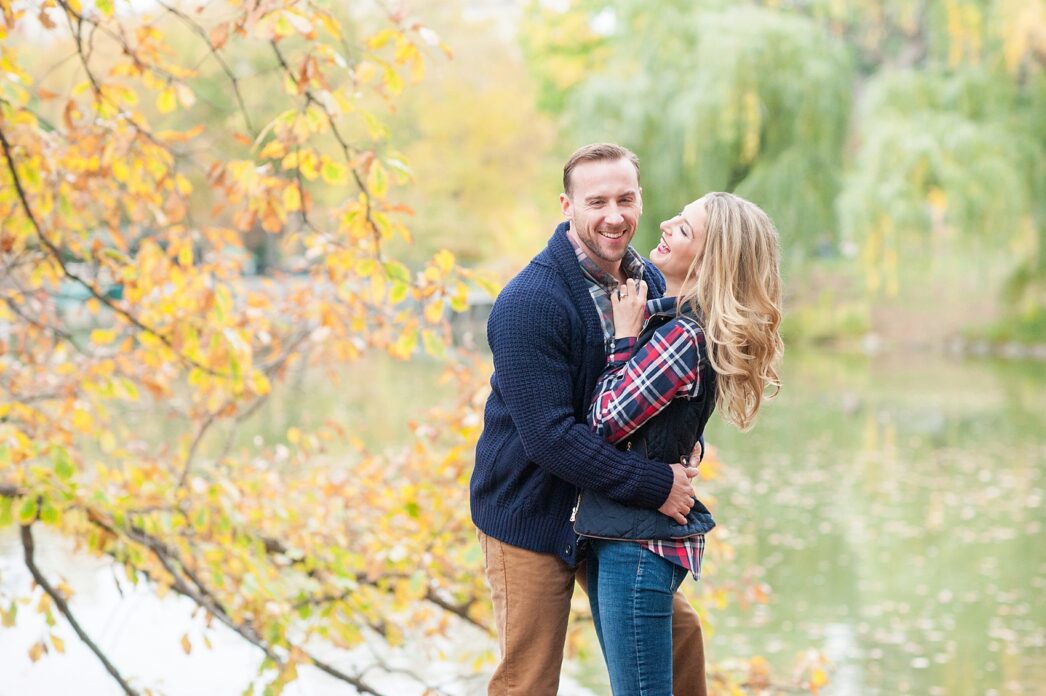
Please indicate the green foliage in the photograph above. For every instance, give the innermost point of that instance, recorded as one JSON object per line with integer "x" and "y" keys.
{"x": 900, "y": 129}
{"x": 830, "y": 320}
{"x": 1028, "y": 327}
{"x": 742, "y": 98}
{"x": 941, "y": 153}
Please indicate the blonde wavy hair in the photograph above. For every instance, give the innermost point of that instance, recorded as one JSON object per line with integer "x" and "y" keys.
{"x": 737, "y": 295}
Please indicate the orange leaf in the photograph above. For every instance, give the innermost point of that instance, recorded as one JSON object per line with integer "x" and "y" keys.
{"x": 219, "y": 35}
{"x": 37, "y": 651}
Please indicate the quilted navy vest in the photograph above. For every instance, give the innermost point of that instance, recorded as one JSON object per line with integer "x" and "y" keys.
{"x": 669, "y": 436}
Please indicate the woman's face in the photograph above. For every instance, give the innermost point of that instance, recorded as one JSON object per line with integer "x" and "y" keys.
{"x": 682, "y": 239}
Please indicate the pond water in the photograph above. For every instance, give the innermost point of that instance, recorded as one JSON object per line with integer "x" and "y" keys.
{"x": 893, "y": 507}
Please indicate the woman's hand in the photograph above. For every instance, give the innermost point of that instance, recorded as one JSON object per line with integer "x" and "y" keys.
{"x": 629, "y": 302}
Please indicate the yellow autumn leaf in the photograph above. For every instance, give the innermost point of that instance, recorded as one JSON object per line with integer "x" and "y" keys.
{"x": 83, "y": 420}
{"x": 377, "y": 180}
{"x": 186, "y": 645}
{"x": 183, "y": 185}
{"x": 119, "y": 170}
{"x": 444, "y": 260}
{"x": 405, "y": 345}
{"x": 307, "y": 163}
{"x": 274, "y": 149}
{"x": 392, "y": 80}
{"x": 167, "y": 101}
{"x": 334, "y": 173}
{"x": 290, "y": 161}
{"x": 260, "y": 383}
{"x": 103, "y": 337}
{"x": 459, "y": 302}
{"x": 382, "y": 38}
{"x": 399, "y": 291}
{"x": 434, "y": 311}
{"x": 291, "y": 198}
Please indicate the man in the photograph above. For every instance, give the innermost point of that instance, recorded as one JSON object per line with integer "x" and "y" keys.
{"x": 549, "y": 332}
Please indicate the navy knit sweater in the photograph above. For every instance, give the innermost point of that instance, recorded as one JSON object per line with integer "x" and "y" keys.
{"x": 536, "y": 449}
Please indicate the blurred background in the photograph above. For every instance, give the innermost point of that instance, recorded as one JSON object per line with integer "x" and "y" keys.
{"x": 882, "y": 525}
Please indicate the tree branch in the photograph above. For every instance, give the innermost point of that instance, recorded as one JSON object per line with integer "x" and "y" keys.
{"x": 221, "y": 61}
{"x": 56, "y": 255}
{"x": 345, "y": 147}
{"x": 203, "y": 597}
{"x": 63, "y": 607}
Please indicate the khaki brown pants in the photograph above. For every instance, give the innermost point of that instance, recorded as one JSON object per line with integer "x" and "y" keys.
{"x": 531, "y": 593}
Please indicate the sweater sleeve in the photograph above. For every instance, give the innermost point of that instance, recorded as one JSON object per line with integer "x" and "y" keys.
{"x": 530, "y": 335}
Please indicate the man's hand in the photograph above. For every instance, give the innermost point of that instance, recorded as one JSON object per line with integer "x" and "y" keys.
{"x": 681, "y": 497}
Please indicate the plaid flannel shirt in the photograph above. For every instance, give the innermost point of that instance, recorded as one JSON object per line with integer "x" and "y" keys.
{"x": 633, "y": 389}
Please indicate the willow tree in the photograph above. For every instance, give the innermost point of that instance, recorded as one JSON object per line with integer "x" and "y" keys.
{"x": 948, "y": 138}
{"x": 717, "y": 97}
{"x": 949, "y": 141}
{"x": 942, "y": 156}
{"x": 848, "y": 120}
{"x": 129, "y": 179}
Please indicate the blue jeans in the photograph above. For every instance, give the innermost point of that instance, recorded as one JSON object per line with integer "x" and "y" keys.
{"x": 631, "y": 590}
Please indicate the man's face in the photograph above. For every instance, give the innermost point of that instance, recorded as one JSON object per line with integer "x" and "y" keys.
{"x": 604, "y": 209}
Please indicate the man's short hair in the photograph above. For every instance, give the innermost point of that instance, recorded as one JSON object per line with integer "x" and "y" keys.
{"x": 596, "y": 152}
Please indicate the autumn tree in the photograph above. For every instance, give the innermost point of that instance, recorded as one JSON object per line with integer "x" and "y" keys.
{"x": 142, "y": 152}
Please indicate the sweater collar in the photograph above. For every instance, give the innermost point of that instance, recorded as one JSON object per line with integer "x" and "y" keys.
{"x": 562, "y": 253}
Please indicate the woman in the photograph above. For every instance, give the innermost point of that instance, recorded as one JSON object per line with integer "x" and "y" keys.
{"x": 712, "y": 340}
